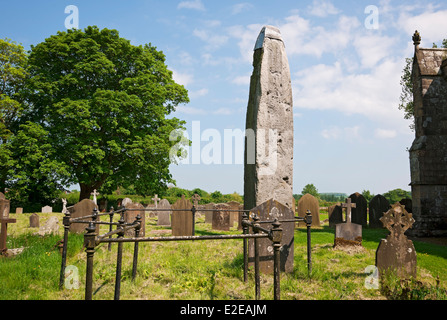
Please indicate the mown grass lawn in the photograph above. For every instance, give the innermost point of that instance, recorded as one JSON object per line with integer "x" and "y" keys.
{"x": 208, "y": 270}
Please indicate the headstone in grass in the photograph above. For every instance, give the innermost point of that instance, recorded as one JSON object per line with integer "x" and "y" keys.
{"x": 164, "y": 216}
{"x": 268, "y": 211}
{"x": 396, "y": 253}
{"x": 82, "y": 209}
{"x": 19, "y": 210}
{"x": 309, "y": 202}
{"x": 234, "y": 215}
{"x": 408, "y": 203}
{"x": 335, "y": 213}
{"x": 359, "y": 212}
{"x": 4, "y": 221}
{"x": 378, "y": 205}
{"x": 47, "y": 209}
{"x": 209, "y": 214}
{"x": 348, "y": 234}
{"x": 51, "y": 226}
{"x": 130, "y": 217}
{"x": 182, "y": 221}
{"x": 34, "y": 221}
{"x": 221, "y": 217}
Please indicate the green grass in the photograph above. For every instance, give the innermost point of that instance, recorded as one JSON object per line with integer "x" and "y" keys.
{"x": 210, "y": 269}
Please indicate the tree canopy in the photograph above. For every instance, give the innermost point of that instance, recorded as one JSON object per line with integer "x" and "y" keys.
{"x": 102, "y": 104}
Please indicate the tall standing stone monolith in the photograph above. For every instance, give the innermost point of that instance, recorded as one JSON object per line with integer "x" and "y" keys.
{"x": 268, "y": 166}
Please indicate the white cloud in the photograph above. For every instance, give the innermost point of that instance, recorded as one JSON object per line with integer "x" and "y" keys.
{"x": 194, "y": 4}
{"x": 242, "y": 80}
{"x": 321, "y": 8}
{"x": 238, "y": 8}
{"x": 347, "y": 133}
{"x": 372, "y": 48}
{"x": 385, "y": 133}
{"x": 224, "y": 111}
{"x": 198, "y": 93}
{"x": 430, "y": 24}
{"x": 213, "y": 40}
{"x": 190, "y": 110}
{"x": 247, "y": 37}
{"x": 182, "y": 78}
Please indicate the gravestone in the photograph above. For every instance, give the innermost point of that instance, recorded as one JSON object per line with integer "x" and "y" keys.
{"x": 94, "y": 194}
{"x": 164, "y": 216}
{"x": 34, "y": 221}
{"x": 125, "y": 202}
{"x": 4, "y": 221}
{"x": 82, "y": 209}
{"x": 378, "y": 205}
{"x": 396, "y": 253}
{"x": 155, "y": 199}
{"x": 182, "y": 221}
{"x": 19, "y": 210}
{"x": 103, "y": 205}
{"x": 348, "y": 233}
{"x": 51, "y": 226}
{"x": 268, "y": 211}
{"x": 234, "y": 215}
{"x": 47, "y": 209}
{"x": 4, "y": 208}
{"x": 221, "y": 217}
{"x": 408, "y": 204}
{"x": 268, "y": 158}
{"x": 209, "y": 214}
{"x": 130, "y": 217}
{"x": 359, "y": 212}
{"x": 335, "y": 213}
{"x": 309, "y": 202}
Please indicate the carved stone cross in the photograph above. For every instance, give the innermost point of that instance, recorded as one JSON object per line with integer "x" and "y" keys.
{"x": 196, "y": 198}
{"x": 94, "y": 193}
{"x": 348, "y": 205}
{"x": 397, "y": 220}
{"x": 155, "y": 199}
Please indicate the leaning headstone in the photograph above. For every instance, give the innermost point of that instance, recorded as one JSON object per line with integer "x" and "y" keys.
{"x": 221, "y": 217}
{"x": 47, "y": 209}
{"x": 335, "y": 213}
{"x": 378, "y": 205}
{"x": 164, "y": 216}
{"x": 268, "y": 165}
{"x": 82, "y": 209}
{"x": 51, "y": 226}
{"x": 396, "y": 253}
{"x": 348, "y": 234}
{"x": 309, "y": 202}
{"x": 34, "y": 221}
{"x": 182, "y": 221}
{"x": 359, "y": 212}
{"x": 268, "y": 211}
{"x": 130, "y": 217}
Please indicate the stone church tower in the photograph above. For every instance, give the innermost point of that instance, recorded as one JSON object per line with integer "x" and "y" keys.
{"x": 428, "y": 153}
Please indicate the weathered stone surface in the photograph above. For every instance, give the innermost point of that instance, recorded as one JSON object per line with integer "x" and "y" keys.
{"x": 378, "y": 205}
{"x": 47, "y": 209}
{"x": 428, "y": 153}
{"x": 396, "y": 253}
{"x": 348, "y": 233}
{"x": 130, "y": 217}
{"x": 164, "y": 216}
{"x": 209, "y": 214}
{"x": 182, "y": 221}
{"x": 234, "y": 216}
{"x": 221, "y": 217}
{"x": 309, "y": 202}
{"x": 282, "y": 212}
{"x": 34, "y": 221}
{"x": 82, "y": 209}
{"x": 4, "y": 208}
{"x": 268, "y": 165}
{"x": 50, "y": 226}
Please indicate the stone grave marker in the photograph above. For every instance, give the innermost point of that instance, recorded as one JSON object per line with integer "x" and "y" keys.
{"x": 103, "y": 205}
{"x": 209, "y": 214}
{"x": 359, "y": 212}
{"x": 182, "y": 221}
{"x": 19, "y": 210}
{"x": 34, "y": 221}
{"x": 164, "y": 216}
{"x": 82, "y": 209}
{"x": 125, "y": 202}
{"x": 396, "y": 253}
{"x": 130, "y": 217}
{"x": 378, "y": 205}
{"x": 408, "y": 204}
{"x": 4, "y": 208}
{"x": 234, "y": 216}
{"x": 94, "y": 194}
{"x": 282, "y": 212}
{"x": 4, "y": 221}
{"x": 309, "y": 202}
{"x": 348, "y": 233}
{"x": 221, "y": 217}
{"x": 335, "y": 213}
{"x": 155, "y": 199}
{"x": 51, "y": 226}
{"x": 47, "y": 209}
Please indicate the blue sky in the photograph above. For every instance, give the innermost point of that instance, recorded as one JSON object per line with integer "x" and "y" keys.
{"x": 348, "y": 132}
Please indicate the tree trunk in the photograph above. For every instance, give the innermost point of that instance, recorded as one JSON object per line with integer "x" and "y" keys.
{"x": 86, "y": 191}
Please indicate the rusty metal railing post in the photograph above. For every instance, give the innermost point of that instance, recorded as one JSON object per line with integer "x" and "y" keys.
{"x": 119, "y": 259}
{"x": 245, "y": 222}
{"x": 110, "y": 226}
{"x": 135, "y": 250}
{"x": 90, "y": 244}
{"x": 309, "y": 249}
{"x": 276, "y": 236}
{"x": 66, "y": 222}
{"x": 256, "y": 244}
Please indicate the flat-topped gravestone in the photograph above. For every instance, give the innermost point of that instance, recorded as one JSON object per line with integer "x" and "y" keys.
{"x": 34, "y": 221}
{"x": 335, "y": 213}
{"x": 359, "y": 212}
{"x": 309, "y": 202}
{"x": 130, "y": 217}
{"x": 164, "y": 216}
{"x": 396, "y": 253}
{"x": 182, "y": 221}
{"x": 47, "y": 209}
{"x": 268, "y": 211}
{"x": 221, "y": 217}
{"x": 378, "y": 205}
{"x": 348, "y": 233}
{"x": 234, "y": 215}
{"x": 209, "y": 214}
{"x": 19, "y": 210}
{"x": 81, "y": 209}
{"x": 268, "y": 159}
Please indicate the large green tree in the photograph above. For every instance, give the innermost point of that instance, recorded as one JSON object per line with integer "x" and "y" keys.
{"x": 104, "y": 105}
